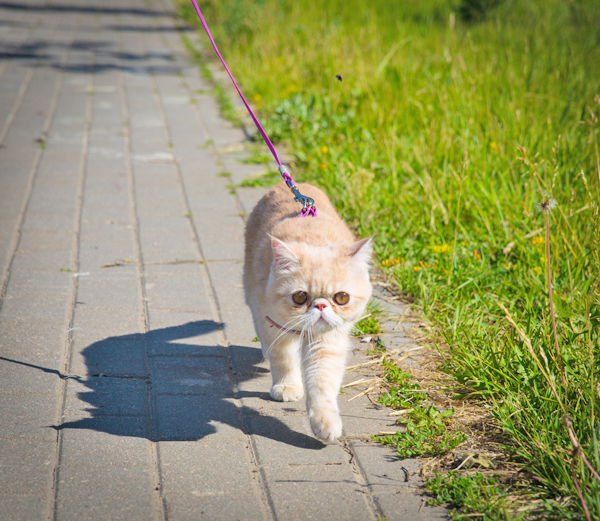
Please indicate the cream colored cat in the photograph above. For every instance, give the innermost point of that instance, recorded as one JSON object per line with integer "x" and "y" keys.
{"x": 307, "y": 283}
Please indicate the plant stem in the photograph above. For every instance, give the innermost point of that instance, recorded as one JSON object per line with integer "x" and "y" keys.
{"x": 556, "y": 345}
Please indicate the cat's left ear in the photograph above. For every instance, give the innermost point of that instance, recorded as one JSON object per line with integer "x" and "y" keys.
{"x": 284, "y": 256}
{"x": 361, "y": 250}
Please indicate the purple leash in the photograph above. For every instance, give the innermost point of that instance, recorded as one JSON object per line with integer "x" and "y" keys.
{"x": 308, "y": 204}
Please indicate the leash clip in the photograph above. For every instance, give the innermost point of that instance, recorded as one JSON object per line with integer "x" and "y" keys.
{"x": 308, "y": 204}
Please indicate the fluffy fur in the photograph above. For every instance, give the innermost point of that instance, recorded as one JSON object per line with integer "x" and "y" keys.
{"x": 285, "y": 255}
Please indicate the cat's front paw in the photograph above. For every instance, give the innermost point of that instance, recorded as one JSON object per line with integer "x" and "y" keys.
{"x": 287, "y": 393}
{"x": 326, "y": 425}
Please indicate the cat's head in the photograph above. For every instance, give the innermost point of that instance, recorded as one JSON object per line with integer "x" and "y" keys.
{"x": 319, "y": 288}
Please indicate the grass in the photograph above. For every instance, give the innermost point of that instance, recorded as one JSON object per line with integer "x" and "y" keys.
{"x": 267, "y": 179}
{"x": 426, "y": 431}
{"x": 453, "y": 122}
{"x": 469, "y": 494}
{"x": 369, "y": 324}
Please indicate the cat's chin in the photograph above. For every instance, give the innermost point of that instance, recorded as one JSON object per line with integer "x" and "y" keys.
{"x": 322, "y": 326}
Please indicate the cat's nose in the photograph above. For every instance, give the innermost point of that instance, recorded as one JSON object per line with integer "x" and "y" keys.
{"x": 321, "y": 306}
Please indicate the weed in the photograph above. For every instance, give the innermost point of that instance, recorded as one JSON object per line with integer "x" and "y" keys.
{"x": 225, "y": 173}
{"x": 470, "y": 495}
{"x": 257, "y": 159}
{"x": 426, "y": 432}
{"x": 255, "y": 339}
{"x": 265, "y": 180}
{"x": 369, "y": 324}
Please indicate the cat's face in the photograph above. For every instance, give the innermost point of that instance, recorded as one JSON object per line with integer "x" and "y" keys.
{"x": 317, "y": 289}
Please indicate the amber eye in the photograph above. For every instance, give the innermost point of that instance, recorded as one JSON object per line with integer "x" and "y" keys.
{"x": 341, "y": 298}
{"x": 300, "y": 297}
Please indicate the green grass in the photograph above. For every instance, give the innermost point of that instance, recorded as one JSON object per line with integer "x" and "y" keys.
{"x": 471, "y": 496}
{"x": 264, "y": 180}
{"x": 447, "y": 130}
{"x": 369, "y": 324}
{"x": 426, "y": 428}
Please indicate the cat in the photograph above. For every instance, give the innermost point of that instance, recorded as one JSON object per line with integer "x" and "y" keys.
{"x": 306, "y": 281}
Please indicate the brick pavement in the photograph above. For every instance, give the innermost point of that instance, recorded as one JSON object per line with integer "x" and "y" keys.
{"x": 130, "y": 387}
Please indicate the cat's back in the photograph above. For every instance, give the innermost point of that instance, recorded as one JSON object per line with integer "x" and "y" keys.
{"x": 276, "y": 214}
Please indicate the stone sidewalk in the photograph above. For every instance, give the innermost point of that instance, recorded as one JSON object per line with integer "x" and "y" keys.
{"x": 130, "y": 387}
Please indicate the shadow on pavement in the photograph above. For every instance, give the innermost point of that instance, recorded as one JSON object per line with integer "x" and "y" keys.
{"x": 42, "y": 52}
{"x": 186, "y": 396}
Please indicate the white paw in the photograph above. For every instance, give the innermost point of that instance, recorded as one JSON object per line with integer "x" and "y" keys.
{"x": 326, "y": 425}
{"x": 287, "y": 393}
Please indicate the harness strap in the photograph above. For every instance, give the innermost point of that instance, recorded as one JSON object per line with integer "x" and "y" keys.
{"x": 308, "y": 204}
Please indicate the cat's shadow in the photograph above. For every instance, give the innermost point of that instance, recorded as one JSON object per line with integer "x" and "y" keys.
{"x": 183, "y": 393}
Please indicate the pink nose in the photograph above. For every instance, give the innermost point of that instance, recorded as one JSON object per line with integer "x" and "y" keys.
{"x": 321, "y": 306}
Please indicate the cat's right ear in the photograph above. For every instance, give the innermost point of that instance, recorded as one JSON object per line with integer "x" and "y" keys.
{"x": 285, "y": 258}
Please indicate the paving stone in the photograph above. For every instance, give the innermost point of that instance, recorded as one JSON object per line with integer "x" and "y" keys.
{"x": 31, "y": 307}
{"x": 409, "y": 505}
{"x": 113, "y": 356}
{"x": 29, "y": 374}
{"x": 288, "y": 440}
{"x": 196, "y": 337}
{"x": 96, "y": 322}
{"x": 24, "y": 507}
{"x": 105, "y": 396}
{"x": 28, "y": 416}
{"x": 197, "y": 467}
{"x": 27, "y": 338}
{"x": 361, "y": 418}
{"x": 20, "y": 464}
{"x": 182, "y": 417}
{"x": 95, "y": 294}
{"x": 104, "y": 492}
{"x": 241, "y": 507}
{"x": 45, "y": 240}
{"x": 39, "y": 282}
{"x": 383, "y": 470}
{"x": 85, "y": 446}
{"x": 248, "y": 358}
{"x": 190, "y": 375}
{"x": 309, "y": 491}
{"x": 41, "y": 260}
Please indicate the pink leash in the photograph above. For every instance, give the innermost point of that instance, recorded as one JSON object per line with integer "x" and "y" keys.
{"x": 308, "y": 204}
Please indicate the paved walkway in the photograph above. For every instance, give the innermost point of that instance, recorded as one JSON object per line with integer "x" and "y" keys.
{"x": 130, "y": 387}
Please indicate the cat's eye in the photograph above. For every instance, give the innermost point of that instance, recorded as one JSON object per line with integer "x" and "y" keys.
{"x": 300, "y": 297}
{"x": 341, "y": 298}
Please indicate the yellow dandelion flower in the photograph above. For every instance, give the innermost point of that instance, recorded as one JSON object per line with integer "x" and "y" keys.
{"x": 256, "y": 98}
{"x": 441, "y": 248}
{"x": 464, "y": 243}
{"x": 390, "y": 262}
{"x": 537, "y": 270}
{"x": 538, "y": 241}
{"x": 494, "y": 147}
{"x": 324, "y": 149}
{"x": 416, "y": 268}
{"x": 279, "y": 60}
{"x": 291, "y": 88}
{"x": 323, "y": 166}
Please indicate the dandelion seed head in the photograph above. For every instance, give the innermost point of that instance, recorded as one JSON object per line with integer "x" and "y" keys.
{"x": 547, "y": 205}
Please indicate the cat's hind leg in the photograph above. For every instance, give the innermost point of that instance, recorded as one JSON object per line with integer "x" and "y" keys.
{"x": 283, "y": 353}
